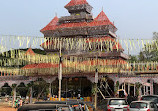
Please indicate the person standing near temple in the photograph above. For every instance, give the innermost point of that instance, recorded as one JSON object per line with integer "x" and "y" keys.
{"x": 21, "y": 102}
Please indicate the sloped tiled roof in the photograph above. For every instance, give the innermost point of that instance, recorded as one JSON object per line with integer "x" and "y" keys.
{"x": 76, "y": 2}
{"x": 42, "y": 65}
{"x": 30, "y": 52}
{"x": 52, "y": 25}
{"x": 48, "y": 42}
{"x": 47, "y": 65}
{"x": 30, "y": 66}
{"x": 103, "y": 17}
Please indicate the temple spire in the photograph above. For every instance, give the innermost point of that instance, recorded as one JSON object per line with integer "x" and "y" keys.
{"x": 78, "y": 6}
{"x": 76, "y": 2}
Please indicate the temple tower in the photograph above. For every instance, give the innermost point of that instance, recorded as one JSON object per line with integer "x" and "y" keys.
{"x": 81, "y": 24}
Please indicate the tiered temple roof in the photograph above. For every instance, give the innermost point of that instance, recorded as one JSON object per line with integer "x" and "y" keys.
{"x": 81, "y": 24}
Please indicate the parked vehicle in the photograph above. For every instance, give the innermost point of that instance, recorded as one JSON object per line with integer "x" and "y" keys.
{"x": 55, "y": 106}
{"x": 114, "y": 104}
{"x": 45, "y": 107}
{"x": 143, "y": 106}
{"x": 153, "y": 98}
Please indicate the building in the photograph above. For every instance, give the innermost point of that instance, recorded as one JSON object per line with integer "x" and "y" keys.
{"x": 86, "y": 44}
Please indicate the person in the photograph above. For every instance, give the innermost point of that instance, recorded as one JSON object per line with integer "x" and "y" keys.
{"x": 21, "y": 102}
{"x": 129, "y": 99}
{"x": 81, "y": 98}
{"x": 45, "y": 98}
{"x": 16, "y": 103}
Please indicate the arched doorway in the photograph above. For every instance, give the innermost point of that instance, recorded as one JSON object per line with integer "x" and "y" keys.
{"x": 6, "y": 90}
{"x": 22, "y": 90}
{"x": 73, "y": 87}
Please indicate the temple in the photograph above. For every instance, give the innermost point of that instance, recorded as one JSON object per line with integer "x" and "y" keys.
{"x": 88, "y": 45}
{"x": 81, "y": 24}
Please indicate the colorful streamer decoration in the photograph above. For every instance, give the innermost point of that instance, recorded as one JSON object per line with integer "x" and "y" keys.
{"x": 17, "y": 56}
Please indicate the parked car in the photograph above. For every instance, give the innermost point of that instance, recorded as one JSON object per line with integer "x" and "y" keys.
{"x": 45, "y": 107}
{"x": 74, "y": 105}
{"x": 143, "y": 106}
{"x": 114, "y": 104}
{"x": 153, "y": 98}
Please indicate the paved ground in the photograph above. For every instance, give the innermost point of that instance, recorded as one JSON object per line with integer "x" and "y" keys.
{"x": 5, "y": 107}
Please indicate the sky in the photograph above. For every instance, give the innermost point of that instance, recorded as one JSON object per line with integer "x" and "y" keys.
{"x": 136, "y": 19}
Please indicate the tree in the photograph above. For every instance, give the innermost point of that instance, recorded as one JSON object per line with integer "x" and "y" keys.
{"x": 150, "y": 50}
{"x": 133, "y": 59}
{"x": 155, "y": 35}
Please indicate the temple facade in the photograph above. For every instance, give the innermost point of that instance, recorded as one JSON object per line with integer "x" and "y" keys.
{"x": 100, "y": 51}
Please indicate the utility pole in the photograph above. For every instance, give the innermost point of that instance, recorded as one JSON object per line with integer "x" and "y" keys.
{"x": 96, "y": 88}
{"x": 60, "y": 71}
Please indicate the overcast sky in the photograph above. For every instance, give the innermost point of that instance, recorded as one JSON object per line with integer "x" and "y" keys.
{"x": 133, "y": 18}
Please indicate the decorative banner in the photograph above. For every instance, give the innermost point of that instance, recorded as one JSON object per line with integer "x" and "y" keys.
{"x": 79, "y": 55}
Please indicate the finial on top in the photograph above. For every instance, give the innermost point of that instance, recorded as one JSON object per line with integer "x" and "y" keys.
{"x": 56, "y": 14}
{"x": 102, "y": 8}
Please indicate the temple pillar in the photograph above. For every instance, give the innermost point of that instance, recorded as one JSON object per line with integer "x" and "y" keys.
{"x": 14, "y": 96}
{"x": 146, "y": 90}
{"x": 134, "y": 89}
{"x": 151, "y": 87}
{"x": 50, "y": 80}
{"x": 50, "y": 90}
{"x": 31, "y": 91}
{"x": 128, "y": 88}
{"x": 124, "y": 86}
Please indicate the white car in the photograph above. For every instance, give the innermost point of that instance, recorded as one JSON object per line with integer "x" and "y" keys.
{"x": 143, "y": 106}
{"x": 116, "y": 104}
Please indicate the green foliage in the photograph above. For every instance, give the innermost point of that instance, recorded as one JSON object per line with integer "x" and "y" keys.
{"x": 138, "y": 86}
{"x": 14, "y": 85}
{"x": 133, "y": 59}
{"x": 150, "y": 50}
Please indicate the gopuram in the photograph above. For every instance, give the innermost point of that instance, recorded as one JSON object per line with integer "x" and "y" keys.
{"x": 80, "y": 51}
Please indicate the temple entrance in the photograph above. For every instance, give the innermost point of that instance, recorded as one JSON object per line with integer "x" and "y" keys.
{"x": 73, "y": 87}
